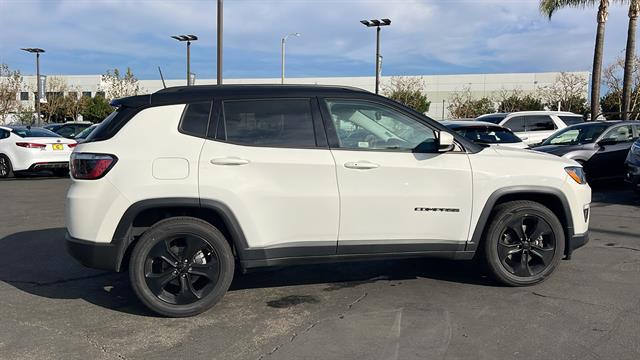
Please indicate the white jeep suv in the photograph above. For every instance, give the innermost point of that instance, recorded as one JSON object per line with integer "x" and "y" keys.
{"x": 182, "y": 185}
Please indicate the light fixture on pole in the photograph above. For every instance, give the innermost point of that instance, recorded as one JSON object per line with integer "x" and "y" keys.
{"x": 40, "y": 90}
{"x": 377, "y": 24}
{"x": 283, "y": 44}
{"x": 188, "y": 39}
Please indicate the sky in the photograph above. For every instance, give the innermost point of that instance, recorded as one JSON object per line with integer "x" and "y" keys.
{"x": 426, "y": 37}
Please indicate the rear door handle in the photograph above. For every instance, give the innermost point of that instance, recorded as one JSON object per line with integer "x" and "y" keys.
{"x": 362, "y": 165}
{"x": 229, "y": 161}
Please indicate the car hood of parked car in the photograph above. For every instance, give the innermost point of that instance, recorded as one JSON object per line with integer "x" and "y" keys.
{"x": 560, "y": 150}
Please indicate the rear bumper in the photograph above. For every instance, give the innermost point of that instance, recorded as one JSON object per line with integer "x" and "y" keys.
{"x": 49, "y": 165}
{"x": 95, "y": 255}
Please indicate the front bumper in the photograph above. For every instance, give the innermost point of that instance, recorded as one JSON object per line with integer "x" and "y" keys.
{"x": 632, "y": 175}
{"x": 95, "y": 255}
{"x": 576, "y": 241}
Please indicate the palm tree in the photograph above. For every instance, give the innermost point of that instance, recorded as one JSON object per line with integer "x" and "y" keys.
{"x": 634, "y": 9}
{"x": 549, "y": 7}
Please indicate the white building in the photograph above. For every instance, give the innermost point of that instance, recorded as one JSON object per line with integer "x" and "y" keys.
{"x": 439, "y": 88}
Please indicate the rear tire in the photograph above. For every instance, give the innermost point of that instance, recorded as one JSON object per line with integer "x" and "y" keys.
{"x": 181, "y": 267}
{"x": 6, "y": 169}
{"x": 523, "y": 244}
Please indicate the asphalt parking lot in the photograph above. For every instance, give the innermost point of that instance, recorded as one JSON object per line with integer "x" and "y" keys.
{"x": 51, "y": 307}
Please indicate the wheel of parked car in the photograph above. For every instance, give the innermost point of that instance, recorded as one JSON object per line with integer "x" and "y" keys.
{"x": 6, "y": 170}
{"x": 523, "y": 244}
{"x": 181, "y": 267}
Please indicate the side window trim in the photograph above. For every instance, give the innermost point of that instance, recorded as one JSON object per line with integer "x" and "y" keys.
{"x": 221, "y": 131}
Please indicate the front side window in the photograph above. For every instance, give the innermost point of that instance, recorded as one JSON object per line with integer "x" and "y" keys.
{"x": 540, "y": 123}
{"x": 515, "y": 124}
{"x": 619, "y": 134}
{"x": 366, "y": 125}
{"x": 195, "y": 119}
{"x": 270, "y": 123}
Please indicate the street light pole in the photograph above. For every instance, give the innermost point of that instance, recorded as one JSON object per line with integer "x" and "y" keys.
{"x": 188, "y": 39}
{"x": 37, "y": 51}
{"x": 282, "y": 48}
{"x": 377, "y": 24}
{"x": 219, "y": 50}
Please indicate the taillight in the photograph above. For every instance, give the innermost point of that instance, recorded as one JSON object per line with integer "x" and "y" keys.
{"x": 88, "y": 166}
{"x": 71, "y": 146}
{"x": 31, "y": 145}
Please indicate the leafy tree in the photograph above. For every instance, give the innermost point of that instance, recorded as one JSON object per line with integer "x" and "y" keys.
{"x": 611, "y": 105}
{"x": 408, "y": 91}
{"x": 549, "y": 7}
{"x": 117, "y": 86}
{"x": 462, "y": 105}
{"x": 520, "y": 103}
{"x": 10, "y": 84}
{"x": 95, "y": 109}
{"x": 613, "y": 77}
{"x": 567, "y": 92}
{"x": 54, "y": 110}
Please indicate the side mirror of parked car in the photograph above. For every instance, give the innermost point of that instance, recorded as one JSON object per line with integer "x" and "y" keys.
{"x": 605, "y": 142}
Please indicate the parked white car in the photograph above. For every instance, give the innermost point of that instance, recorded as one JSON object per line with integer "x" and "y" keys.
{"x": 25, "y": 148}
{"x": 486, "y": 133}
{"x": 533, "y": 127}
{"x": 248, "y": 176}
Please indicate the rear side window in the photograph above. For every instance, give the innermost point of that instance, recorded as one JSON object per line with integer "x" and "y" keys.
{"x": 271, "y": 123}
{"x": 195, "y": 119}
{"x": 571, "y": 120}
{"x": 515, "y": 124}
{"x": 4, "y": 134}
{"x": 540, "y": 123}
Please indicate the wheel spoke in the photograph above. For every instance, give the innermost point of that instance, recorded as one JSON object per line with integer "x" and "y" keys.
{"x": 157, "y": 282}
{"x": 517, "y": 226}
{"x": 187, "y": 293}
{"x": 210, "y": 271}
{"x": 192, "y": 246}
{"x": 544, "y": 254}
{"x": 504, "y": 250}
{"x": 539, "y": 229}
{"x": 523, "y": 269}
{"x": 162, "y": 251}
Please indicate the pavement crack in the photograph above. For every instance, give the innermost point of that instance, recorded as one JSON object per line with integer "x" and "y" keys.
{"x": 356, "y": 301}
{"x": 57, "y": 282}
{"x": 568, "y": 299}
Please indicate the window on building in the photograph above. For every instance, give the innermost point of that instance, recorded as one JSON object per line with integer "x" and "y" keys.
{"x": 72, "y": 94}
{"x": 24, "y": 96}
{"x": 86, "y": 94}
{"x": 100, "y": 93}
{"x": 273, "y": 123}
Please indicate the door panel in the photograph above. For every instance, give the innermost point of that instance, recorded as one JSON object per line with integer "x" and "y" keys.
{"x": 388, "y": 193}
{"x": 266, "y": 167}
{"x": 608, "y": 161}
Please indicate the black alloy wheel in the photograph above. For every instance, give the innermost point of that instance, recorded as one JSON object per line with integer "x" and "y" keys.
{"x": 6, "y": 171}
{"x": 523, "y": 244}
{"x": 527, "y": 246}
{"x": 181, "y": 266}
{"x": 182, "y": 269}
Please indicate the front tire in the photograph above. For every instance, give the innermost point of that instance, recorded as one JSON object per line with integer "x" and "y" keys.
{"x": 6, "y": 169}
{"x": 523, "y": 244}
{"x": 181, "y": 267}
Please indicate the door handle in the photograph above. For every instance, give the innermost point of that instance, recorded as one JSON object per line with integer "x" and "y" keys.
{"x": 362, "y": 165}
{"x": 229, "y": 161}
{"x": 524, "y": 138}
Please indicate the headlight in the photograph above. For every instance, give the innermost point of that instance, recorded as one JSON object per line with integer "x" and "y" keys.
{"x": 576, "y": 173}
{"x": 635, "y": 148}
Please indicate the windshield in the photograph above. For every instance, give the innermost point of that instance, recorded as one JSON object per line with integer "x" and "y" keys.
{"x": 571, "y": 119}
{"x": 488, "y": 134}
{"x": 84, "y": 133}
{"x": 495, "y": 119}
{"x": 577, "y": 134}
{"x": 34, "y": 132}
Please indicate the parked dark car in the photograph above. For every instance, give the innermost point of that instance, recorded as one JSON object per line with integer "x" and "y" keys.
{"x": 633, "y": 166}
{"x": 68, "y": 130}
{"x": 84, "y": 133}
{"x": 600, "y": 146}
{"x": 485, "y": 133}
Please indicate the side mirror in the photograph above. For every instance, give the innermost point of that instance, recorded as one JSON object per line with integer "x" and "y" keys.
{"x": 605, "y": 142}
{"x": 446, "y": 142}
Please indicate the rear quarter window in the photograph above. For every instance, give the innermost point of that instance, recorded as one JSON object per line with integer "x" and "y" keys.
{"x": 112, "y": 124}
{"x": 195, "y": 119}
{"x": 571, "y": 120}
